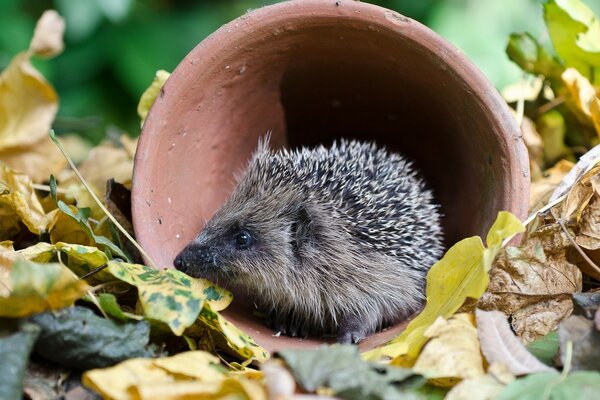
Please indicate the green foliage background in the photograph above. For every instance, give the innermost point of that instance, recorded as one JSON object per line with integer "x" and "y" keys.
{"x": 113, "y": 47}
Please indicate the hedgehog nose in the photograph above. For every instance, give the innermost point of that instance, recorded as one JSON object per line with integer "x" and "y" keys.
{"x": 180, "y": 262}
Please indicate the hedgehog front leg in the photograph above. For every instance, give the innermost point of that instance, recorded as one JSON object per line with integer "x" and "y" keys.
{"x": 286, "y": 323}
{"x": 354, "y": 328}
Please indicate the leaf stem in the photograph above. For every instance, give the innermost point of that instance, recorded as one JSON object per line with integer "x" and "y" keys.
{"x": 97, "y": 200}
{"x": 46, "y": 188}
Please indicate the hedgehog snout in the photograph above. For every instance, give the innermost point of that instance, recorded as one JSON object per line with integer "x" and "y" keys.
{"x": 193, "y": 260}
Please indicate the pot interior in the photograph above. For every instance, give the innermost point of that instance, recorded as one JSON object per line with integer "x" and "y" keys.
{"x": 312, "y": 72}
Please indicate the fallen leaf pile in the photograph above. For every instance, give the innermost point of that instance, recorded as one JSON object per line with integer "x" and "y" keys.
{"x": 503, "y": 319}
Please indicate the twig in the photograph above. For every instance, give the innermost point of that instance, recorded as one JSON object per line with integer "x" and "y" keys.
{"x": 97, "y": 200}
{"x": 543, "y": 209}
{"x": 94, "y": 271}
{"x": 579, "y": 249}
{"x": 550, "y": 105}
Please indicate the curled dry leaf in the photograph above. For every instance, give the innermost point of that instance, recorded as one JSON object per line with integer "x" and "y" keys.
{"x": 584, "y": 96}
{"x": 104, "y": 162}
{"x": 542, "y": 188}
{"x": 18, "y": 203}
{"x": 500, "y": 345}
{"x": 533, "y": 283}
{"x": 453, "y": 351}
{"x": 47, "y": 38}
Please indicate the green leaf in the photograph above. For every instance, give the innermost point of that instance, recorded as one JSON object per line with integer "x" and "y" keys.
{"x": 40, "y": 287}
{"x": 82, "y": 218}
{"x": 575, "y": 34}
{"x": 551, "y": 385}
{"x": 16, "y": 342}
{"x": 341, "y": 369}
{"x": 527, "y": 53}
{"x": 545, "y": 348}
{"x": 108, "y": 303}
{"x": 76, "y": 337}
{"x": 53, "y": 189}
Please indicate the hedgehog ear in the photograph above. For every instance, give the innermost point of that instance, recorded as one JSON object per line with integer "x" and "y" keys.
{"x": 302, "y": 228}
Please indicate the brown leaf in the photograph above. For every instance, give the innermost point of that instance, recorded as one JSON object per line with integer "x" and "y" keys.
{"x": 500, "y": 345}
{"x": 533, "y": 283}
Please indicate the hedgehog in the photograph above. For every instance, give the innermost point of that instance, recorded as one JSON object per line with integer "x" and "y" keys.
{"x": 325, "y": 241}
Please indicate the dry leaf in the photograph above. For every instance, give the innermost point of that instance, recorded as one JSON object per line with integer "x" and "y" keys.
{"x": 48, "y": 35}
{"x": 500, "y": 345}
{"x": 189, "y": 375}
{"x": 104, "y": 162}
{"x": 533, "y": 283}
{"x": 18, "y": 203}
{"x": 453, "y": 351}
{"x": 28, "y": 105}
{"x": 583, "y": 95}
{"x": 578, "y": 197}
{"x": 542, "y": 188}
{"x": 585, "y": 164}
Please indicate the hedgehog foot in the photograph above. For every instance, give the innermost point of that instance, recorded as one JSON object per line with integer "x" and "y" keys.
{"x": 352, "y": 329}
{"x": 286, "y": 324}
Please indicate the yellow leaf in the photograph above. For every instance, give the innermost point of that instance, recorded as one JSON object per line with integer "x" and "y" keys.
{"x": 28, "y": 105}
{"x": 40, "y": 287}
{"x": 41, "y": 252}
{"x": 189, "y": 375}
{"x": 460, "y": 274}
{"x": 239, "y": 342}
{"x": 584, "y": 95}
{"x": 18, "y": 203}
{"x": 83, "y": 259}
{"x": 453, "y": 351}
{"x": 63, "y": 228}
{"x": 47, "y": 38}
{"x": 150, "y": 94}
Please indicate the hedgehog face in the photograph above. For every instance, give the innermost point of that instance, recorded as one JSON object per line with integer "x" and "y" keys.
{"x": 247, "y": 249}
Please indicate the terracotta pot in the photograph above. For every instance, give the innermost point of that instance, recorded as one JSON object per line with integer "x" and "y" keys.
{"x": 311, "y": 71}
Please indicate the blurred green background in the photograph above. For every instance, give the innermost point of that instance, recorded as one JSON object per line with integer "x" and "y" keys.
{"x": 114, "y": 47}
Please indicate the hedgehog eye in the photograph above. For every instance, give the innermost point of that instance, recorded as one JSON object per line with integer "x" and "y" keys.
{"x": 243, "y": 239}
